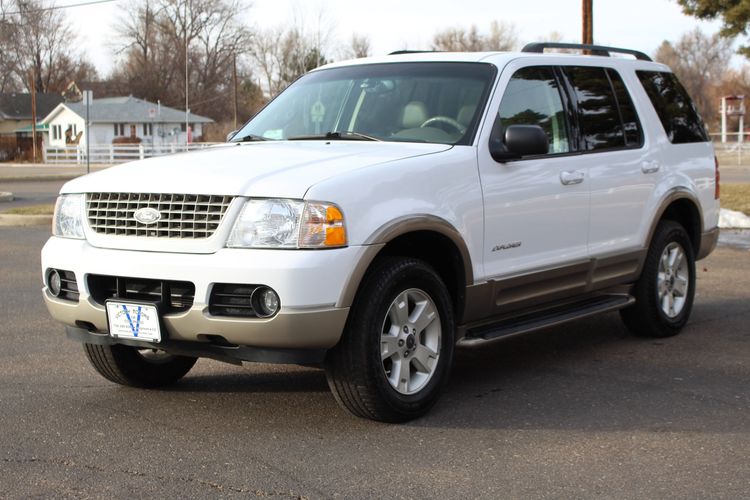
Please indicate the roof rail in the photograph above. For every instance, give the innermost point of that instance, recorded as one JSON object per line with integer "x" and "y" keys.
{"x": 596, "y": 50}
{"x": 400, "y": 52}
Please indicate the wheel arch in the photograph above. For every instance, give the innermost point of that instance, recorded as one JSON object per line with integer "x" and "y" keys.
{"x": 425, "y": 237}
{"x": 683, "y": 207}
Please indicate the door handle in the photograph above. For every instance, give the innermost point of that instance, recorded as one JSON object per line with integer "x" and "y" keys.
{"x": 650, "y": 167}
{"x": 568, "y": 177}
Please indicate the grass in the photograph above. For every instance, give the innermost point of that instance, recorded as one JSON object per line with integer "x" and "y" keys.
{"x": 32, "y": 210}
{"x": 736, "y": 197}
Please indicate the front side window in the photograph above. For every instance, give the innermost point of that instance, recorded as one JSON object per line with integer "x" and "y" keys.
{"x": 436, "y": 102}
{"x": 532, "y": 97}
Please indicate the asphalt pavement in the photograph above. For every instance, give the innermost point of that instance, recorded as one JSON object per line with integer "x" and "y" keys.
{"x": 579, "y": 411}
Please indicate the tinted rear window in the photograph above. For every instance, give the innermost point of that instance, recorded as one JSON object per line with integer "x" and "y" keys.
{"x": 600, "y": 123}
{"x": 628, "y": 115}
{"x": 676, "y": 110}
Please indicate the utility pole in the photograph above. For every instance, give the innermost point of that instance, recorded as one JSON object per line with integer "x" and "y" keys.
{"x": 187, "y": 103}
{"x": 234, "y": 80}
{"x": 32, "y": 87}
{"x": 587, "y": 36}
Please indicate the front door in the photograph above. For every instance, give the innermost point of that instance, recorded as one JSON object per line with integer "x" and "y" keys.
{"x": 536, "y": 208}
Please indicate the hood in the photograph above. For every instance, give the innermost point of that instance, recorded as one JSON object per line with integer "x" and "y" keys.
{"x": 284, "y": 169}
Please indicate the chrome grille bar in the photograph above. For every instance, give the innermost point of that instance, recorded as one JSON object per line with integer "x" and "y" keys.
{"x": 183, "y": 216}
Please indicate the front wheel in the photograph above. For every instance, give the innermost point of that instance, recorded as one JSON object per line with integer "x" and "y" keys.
{"x": 126, "y": 365}
{"x": 395, "y": 355}
{"x": 664, "y": 292}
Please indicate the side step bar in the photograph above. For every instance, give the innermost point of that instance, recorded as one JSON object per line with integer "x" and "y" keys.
{"x": 544, "y": 318}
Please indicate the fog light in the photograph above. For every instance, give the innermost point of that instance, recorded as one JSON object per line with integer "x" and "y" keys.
{"x": 54, "y": 283}
{"x": 265, "y": 302}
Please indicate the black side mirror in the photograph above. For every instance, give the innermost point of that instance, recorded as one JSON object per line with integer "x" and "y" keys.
{"x": 517, "y": 141}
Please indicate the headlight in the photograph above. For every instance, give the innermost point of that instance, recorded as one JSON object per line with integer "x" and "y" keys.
{"x": 281, "y": 223}
{"x": 68, "y": 219}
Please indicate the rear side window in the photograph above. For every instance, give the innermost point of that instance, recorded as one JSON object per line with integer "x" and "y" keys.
{"x": 676, "y": 110}
{"x": 630, "y": 123}
{"x": 600, "y": 123}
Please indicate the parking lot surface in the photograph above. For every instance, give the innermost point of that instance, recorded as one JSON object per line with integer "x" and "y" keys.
{"x": 578, "y": 411}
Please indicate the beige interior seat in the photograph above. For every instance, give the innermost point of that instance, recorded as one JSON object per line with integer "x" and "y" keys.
{"x": 465, "y": 114}
{"x": 414, "y": 115}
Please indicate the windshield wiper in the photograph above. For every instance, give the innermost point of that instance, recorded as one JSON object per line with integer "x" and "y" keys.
{"x": 347, "y": 136}
{"x": 250, "y": 138}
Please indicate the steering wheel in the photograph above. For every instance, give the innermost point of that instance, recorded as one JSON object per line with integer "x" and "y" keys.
{"x": 446, "y": 120}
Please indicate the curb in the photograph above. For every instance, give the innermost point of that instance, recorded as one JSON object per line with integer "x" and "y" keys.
{"x": 25, "y": 220}
{"x": 5, "y": 196}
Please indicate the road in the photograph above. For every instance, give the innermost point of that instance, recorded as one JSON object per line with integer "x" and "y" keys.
{"x": 26, "y": 193}
{"x": 579, "y": 411}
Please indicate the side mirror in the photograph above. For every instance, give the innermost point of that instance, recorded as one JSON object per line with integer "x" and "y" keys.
{"x": 517, "y": 141}
{"x": 232, "y": 134}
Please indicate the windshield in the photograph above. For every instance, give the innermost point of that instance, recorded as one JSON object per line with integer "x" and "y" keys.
{"x": 411, "y": 102}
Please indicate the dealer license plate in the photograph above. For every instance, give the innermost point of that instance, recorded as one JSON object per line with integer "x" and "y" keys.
{"x": 133, "y": 321}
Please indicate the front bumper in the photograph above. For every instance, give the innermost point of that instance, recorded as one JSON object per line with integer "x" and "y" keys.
{"x": 309, "y": 283}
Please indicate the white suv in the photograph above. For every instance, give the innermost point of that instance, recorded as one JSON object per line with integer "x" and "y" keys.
{"x": 380, "y": 212}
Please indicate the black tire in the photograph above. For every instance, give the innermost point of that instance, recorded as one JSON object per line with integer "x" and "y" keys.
{"x": 355, "y": 370}
{"x": 126, "y": 365}
{"x": 647, "y": 317}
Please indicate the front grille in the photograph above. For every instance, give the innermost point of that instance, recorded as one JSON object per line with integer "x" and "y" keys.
{"x": 231, "y": 299}
{"x": 188, "y": 216}
{"x": 174, "y": 296}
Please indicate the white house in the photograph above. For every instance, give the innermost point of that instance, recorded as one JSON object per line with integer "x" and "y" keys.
{"x": 121, "y": 117}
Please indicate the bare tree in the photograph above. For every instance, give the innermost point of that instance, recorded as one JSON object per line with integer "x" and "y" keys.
{"x": 8, "y": 82}
{"x": 359, "y": 46}
{"x": 41, "y": 43}
{"x": 284, "y": 53}
{"x": 501, "y": 37}
{"x": 152, "y": 40}
{"x": 701, "y": 63}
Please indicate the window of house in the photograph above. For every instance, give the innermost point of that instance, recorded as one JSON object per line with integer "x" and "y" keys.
{"x": 148, "y": 129}
{"x": 532, "y": 97}
{"x": 182, "y": 127}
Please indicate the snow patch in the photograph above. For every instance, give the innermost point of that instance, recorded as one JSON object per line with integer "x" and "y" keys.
{"x": 730, "y": 219}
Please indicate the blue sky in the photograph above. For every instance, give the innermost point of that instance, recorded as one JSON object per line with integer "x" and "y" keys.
{"x": 397, "y": 24}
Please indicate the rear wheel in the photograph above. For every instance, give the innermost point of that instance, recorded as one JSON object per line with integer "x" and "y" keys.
{"x": 136, "y": 367}
{"x": 664, "y": 293}
{"x": 395, "y": 356}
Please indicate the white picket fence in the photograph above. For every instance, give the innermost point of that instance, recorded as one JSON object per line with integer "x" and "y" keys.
{"x": 116, "y": 153}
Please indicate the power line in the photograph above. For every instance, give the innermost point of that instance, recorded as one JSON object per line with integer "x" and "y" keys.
{"x": 58, "y": 7}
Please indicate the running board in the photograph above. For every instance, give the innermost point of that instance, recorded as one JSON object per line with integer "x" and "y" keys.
{"x": 544, "y": 318}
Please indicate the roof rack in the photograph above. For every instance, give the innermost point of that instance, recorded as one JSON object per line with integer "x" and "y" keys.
{"x": 400, "y": 52}
{"x": 596, "y": 50}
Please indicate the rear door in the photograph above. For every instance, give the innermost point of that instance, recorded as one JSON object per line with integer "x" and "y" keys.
{"x": 623, "y": 168}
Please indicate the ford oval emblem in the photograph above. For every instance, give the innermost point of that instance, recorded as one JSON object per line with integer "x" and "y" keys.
{"x": 147, "y": 215}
